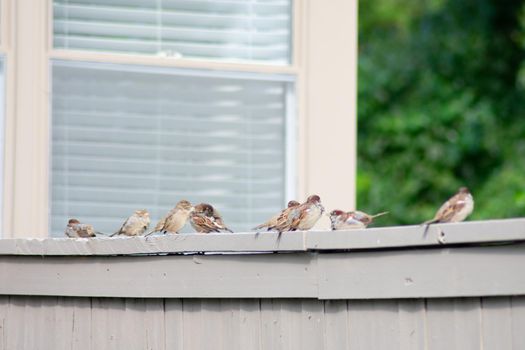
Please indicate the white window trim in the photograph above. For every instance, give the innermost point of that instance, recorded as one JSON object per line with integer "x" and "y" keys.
{"x": 324, "y": 66}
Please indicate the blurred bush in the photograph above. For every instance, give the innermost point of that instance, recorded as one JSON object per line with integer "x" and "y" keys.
{"x": 441, "y": 104}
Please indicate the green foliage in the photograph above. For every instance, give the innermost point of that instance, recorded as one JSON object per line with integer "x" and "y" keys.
{"x": 441, "y": 96}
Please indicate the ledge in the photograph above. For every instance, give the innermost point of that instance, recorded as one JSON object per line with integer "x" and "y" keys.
{"x": 465, "y": 260}
{"x": 475, "y": 232}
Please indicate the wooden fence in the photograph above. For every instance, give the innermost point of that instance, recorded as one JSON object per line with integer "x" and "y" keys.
{"x": 460, "y": 286}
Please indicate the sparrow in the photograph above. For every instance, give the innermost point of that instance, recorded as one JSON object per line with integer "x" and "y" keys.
{"x": 277, "y": 218}
{"x": 75, "y": 229}
{"x": 306, "y": 215}
{"x": 135, "y": 225}
{"x": 206, "y": 219}
{"x": 351, "y": 220}
{"x": 175, "y": 219}
{"x": 456, "y": 209}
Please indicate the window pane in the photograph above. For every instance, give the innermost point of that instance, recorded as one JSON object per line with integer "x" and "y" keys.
{"x": 127, "y": 138}
{"x": 232, "y": 30}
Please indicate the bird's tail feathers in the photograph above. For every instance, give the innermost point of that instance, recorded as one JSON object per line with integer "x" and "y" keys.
{"x": 429, "y": 222}
{"x": 150, "y": 232}
{"x": 379, "y": 214}
{"x": 259, "y": 227}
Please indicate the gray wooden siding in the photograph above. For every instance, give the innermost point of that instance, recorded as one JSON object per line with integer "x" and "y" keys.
{"x": 57, "y": 323}
{"x": 460, "y": 286}
{"x": 378, "y": 274}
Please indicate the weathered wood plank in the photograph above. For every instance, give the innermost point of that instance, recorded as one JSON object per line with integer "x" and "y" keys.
{"x": 132, "y": 331}
{"x": 228, "y": 318}
{"x": 203, "y": 276}
{"x": 193, "y": 321}
{"x": 82, "y": 327}
{"x": 47, "y": 331}
{"x": 411, "y": 236}
{"x": 428, "y": 273}
{"x": 440, "y": 324}
{"x": 182, "y": 243}
{"x": 154, "y": 324}
{"x": 4, "y": 304}
{"x": 250, "y": 324}
{"x": 496, "y": 323}
{"x": 467, "y": 319}
{"x": 174, "y": 324}
{"x": 290, "y": 324}
{"x": 64, "y": 322}
{"x": 381, "y": 330}
{"x": 454, "y": 324}
{"x": 312, "y": 325}
{"x": 16, "y": 324}
{"x": 372, "y": 238}
{"x": 270, "y": 324}
{"x": 336, "y": 325}
{"x": 33, "y": 336}
{"x": 212, "y": 319}
{"x": 360, "y": 321}
{"x": 412, "y": 332}
{"x": 106, "y": 316}
{"x": 518, "y": 322}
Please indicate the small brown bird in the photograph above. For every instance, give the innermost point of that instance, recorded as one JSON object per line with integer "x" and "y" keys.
{"x": 277, "y": 219}
{"x": 175, "y": 219}
{"x": 456, "y": 209}
{"x": 306, "y": 215}
{"x": 352, "y": 219}
{"x": 135, "y": 225}
{"x": 75, "y": 229}
{"x": 206, "y": 219}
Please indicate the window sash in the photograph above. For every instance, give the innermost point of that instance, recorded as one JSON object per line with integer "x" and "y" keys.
{"x": 288, "y": 125}
{"x": 234, "y": 31}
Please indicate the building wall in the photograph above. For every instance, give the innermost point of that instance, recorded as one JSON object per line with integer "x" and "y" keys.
{"x": 124, "y": 323}
{"x": 324, "y": 65}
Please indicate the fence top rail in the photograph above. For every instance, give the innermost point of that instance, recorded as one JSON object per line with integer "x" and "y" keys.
{"x": 398, "y": 237}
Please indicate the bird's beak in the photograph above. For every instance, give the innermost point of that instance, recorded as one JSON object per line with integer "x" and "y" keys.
{"x": 192, "y": 209}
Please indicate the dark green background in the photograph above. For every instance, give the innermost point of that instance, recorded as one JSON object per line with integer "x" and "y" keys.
{"x": 441, "y": 104}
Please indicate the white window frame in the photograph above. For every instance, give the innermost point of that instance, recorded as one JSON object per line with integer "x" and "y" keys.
{"x": 321, "y": 139}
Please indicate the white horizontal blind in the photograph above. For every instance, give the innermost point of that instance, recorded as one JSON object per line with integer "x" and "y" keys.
{"x": 126, "y": 138}
{"x": 232, "y": 30}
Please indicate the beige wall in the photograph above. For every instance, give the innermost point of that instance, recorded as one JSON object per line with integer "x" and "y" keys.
{"x": 325, "y": 56}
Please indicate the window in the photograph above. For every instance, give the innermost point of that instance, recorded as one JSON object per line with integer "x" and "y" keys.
{"x": 128, "y": 137}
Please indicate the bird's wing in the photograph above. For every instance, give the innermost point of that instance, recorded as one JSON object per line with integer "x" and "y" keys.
{"x": 122, "y": 228}
{"x": 162, "y": 222}
{"x": 85, "y": 230}
{"x": 298, "y": 215}
{"x": 452, "y": 210}
{"x": 450, "y": 207}
{"x": 70, "y": 232}
{"x": 206, "y": 224}
{"x": 284, "y": 220}
{"x": 219, "y": 223}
